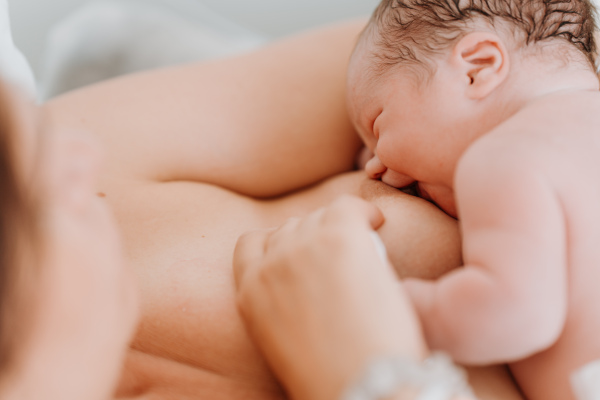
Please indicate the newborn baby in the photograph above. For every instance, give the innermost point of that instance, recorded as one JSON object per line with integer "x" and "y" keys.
{"x": 492, "y": 109}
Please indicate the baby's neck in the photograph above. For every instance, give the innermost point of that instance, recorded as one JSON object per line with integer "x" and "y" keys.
{"x": 533, "y": 80}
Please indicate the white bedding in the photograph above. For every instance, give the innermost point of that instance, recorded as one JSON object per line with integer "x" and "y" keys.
{"x": 13, "y": 65}
{"x": 108, "y": 38}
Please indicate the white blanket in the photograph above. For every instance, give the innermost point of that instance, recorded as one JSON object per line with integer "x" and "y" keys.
{"x": 108, "y": 38}
{"x": 14, "y": 68}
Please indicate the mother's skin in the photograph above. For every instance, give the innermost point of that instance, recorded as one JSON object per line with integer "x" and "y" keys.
{"x": 197, "y": 155}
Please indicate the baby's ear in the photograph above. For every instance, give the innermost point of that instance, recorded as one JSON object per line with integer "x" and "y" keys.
{"x": 483, "y": 61}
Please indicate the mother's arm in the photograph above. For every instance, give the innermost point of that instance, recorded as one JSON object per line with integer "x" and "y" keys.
{"x": 262, "y": 124}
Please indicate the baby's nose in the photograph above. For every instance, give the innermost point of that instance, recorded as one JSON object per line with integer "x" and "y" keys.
{"x": 375, "y": 168}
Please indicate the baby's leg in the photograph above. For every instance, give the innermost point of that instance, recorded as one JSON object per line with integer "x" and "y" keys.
{"x": 261, "y": 124}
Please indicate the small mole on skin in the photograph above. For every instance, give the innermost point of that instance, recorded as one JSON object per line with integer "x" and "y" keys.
{"x": 102, "y": 195}
{"x": 203, "y": 236}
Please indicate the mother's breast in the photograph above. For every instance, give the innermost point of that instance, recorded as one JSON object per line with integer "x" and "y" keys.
{"x": 180, "y": 237}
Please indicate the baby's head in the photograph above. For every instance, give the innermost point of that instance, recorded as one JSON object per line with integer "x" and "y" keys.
{"x": 428, "y": 77}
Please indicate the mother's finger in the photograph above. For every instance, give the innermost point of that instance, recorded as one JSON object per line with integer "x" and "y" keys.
{"x": 354, "y": 211}
{"x": 248, "y": 254}
{"x": 281, "y": 235}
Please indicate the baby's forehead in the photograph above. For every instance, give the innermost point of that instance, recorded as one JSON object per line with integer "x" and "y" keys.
{"x": 362, "y": 74}
{"x": 360, "y": 85}
{"x": 368, "y": 68}
{"x": 367, "y": 78}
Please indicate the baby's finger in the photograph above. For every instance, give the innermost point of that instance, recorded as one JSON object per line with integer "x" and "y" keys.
{"x": 249, "y": 253}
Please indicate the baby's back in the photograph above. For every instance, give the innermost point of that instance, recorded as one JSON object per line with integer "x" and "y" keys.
{"x": 560, "y": 137}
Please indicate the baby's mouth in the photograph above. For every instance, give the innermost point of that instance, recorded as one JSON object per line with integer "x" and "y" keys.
{"x": 411, "y": 190}
{"x": 416, "y": 189}
{"x": 422, "y": 193}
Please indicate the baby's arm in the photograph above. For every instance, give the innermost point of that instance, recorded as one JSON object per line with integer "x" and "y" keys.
{"x": 509, "y": 301}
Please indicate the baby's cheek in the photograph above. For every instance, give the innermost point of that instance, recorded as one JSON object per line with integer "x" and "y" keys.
{"x": 391, "y": 151}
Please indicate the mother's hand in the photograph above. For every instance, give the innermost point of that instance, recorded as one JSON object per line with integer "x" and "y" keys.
{"x": 319, "y": 300}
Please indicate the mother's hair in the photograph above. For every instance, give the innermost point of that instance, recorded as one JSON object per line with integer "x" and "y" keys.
{"x": 18, "y": 237}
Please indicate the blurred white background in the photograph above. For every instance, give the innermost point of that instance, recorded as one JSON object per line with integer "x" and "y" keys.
{"x": 32, "y": 18}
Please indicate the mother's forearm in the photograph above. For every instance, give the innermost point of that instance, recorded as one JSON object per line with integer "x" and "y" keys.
{"x": 261, "y": 124}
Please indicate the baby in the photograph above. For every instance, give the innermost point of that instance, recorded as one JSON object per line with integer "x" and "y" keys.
{"x": 491, "y": 108}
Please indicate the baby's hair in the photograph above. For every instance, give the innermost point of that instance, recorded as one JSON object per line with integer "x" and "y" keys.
{"x": 412, "y": 31}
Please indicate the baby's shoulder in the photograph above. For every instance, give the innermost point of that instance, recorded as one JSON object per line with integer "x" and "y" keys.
{"x": 561, "y": 129}
{"x": 550, "y": 123}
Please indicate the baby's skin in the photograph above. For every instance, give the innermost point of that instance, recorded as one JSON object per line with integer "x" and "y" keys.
{"x": 509, "y": 142}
